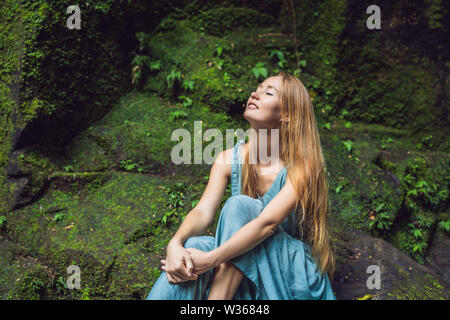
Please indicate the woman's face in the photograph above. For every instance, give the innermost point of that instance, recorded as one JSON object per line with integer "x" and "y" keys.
{"x": 263, "y": 109}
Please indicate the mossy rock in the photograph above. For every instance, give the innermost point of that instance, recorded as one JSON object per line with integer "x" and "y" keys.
{"x": 400, "y": 276}
{"x": 113, "y": 233}
{"x": 219, "y": 67}
{"x": 219, "y": 21}
{"x": 148, "y": 121}
{"x": 28, "y": 171}
{"x": 359, "y": 189}
{"x": 438, "y": 254}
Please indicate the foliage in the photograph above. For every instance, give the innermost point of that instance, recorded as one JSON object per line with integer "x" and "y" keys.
{"x": 383, "y": 220}
{"x": 424, "y": 202}
{"x": 129, "y": 165}
{"x": 259, "y": 70}
{"x": 2, "y": 221}
{"x": 175, "y": 200}
{"x": 218, "y": 21}
{"x": 172, "y": 77}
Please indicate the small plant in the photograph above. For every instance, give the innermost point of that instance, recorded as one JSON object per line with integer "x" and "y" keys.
{"x": 282, "y": 62}
{"x": 187, "y": 102}
{"x": 129, "y": 165}
{"x": 219, "y": 49}
{"x": 220, "y": 63}
{"x": 443, "y": 225}
{"x": 425, "y": 142}
{"x": 419, "y": 247}
{"x": 175, "y": 194}
{"x": 348, "y": 145}
{"x": 226, "y": 79}
{"x": 61, "y": 285}
{"x": 155, "y": 65}
{"x": 341, "y": 184}
{"x": 178, "y": 114}
{"x": 416, "y": 232}
{"x": 194, "y": 203}
{"x": 175, "y": 201}
{"x": 425, "y": 191}
{"x": 385, "y": 142}
{"x": 137, "y": 67}
{"x": 381, "y": 220}
{"x": 36, "y": 284}
{"x": 188, "y": 85}
{"x": 68, "y": 168}
{"x": 259, "y": 70}
{"x": 85, "y": 294}
{"x": 327, "y": 126}
{"x": 172, "y": 77}
{"x": 167, "y": 215}
{"x": 2, "y": 221}
{"x": 343, "y": 114}
{"x": 58, "y": 217}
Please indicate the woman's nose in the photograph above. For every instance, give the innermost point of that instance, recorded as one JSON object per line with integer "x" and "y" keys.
{"x": 254, "y": 95}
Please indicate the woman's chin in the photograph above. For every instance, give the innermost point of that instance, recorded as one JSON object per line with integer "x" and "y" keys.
{"x": 249, "y": 114}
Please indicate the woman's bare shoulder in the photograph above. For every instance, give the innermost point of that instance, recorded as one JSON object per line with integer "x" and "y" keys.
{"x": 223, "y": 161}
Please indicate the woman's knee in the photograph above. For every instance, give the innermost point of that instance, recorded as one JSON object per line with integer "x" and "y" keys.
{"x": 241, "y": 208}
{"x": 204, "y": 243}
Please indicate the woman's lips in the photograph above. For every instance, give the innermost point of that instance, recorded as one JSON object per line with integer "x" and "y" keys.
{"x": 251, "y": 106}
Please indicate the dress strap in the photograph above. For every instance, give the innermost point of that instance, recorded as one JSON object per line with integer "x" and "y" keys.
{"x": 236, "y": 168}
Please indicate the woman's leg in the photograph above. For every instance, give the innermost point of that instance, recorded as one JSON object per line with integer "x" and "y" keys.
{"x": 226, "y": 280}
{"x": 188, "y": 290}
{"x": 237, "y": 211}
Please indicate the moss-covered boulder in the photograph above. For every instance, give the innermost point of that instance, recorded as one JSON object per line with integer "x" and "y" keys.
{"x": 401, "y": 278}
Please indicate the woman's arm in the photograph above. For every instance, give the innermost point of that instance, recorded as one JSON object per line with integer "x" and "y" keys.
{"x": 178, "y": 263}
{"x": 200, "y": 217}
{"x": 251, "y": 234}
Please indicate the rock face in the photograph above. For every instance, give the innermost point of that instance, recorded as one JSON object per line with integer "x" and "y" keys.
{"x": 400, "y": 276}
{"x": 110, "y": 225}
{"x": 108, "y": 220}
{"x": 439, "y": 256}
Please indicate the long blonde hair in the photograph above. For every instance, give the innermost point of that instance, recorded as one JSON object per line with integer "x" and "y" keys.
{"x": 301, "y": 151}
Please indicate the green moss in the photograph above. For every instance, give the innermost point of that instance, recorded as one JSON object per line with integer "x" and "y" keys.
{"x": 11, "y": 51}
{"x": 427, "y": 288}
{"x": 113, "y": 233}
{"x": 221, "y": 20}
{"x": 32, "y": 285}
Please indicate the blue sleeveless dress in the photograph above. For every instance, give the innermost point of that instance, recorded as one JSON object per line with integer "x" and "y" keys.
{"x": 279, "y": 268}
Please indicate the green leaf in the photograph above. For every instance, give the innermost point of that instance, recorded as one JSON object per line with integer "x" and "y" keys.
{"x": 155, "y": 65}
{"x": 2, "y": 220}
{"x": 58, "y": 217}
{"x": 348, "y": 145}
{"x": 417, "y": 233}
{"x": 188, "y": 85}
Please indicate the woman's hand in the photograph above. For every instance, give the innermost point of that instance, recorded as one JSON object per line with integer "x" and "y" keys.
{"x": 201, "y": 259}
{"x": 178, "y": 264}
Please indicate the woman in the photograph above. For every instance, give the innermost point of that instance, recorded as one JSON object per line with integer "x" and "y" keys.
{"x": 274, "y": 246}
